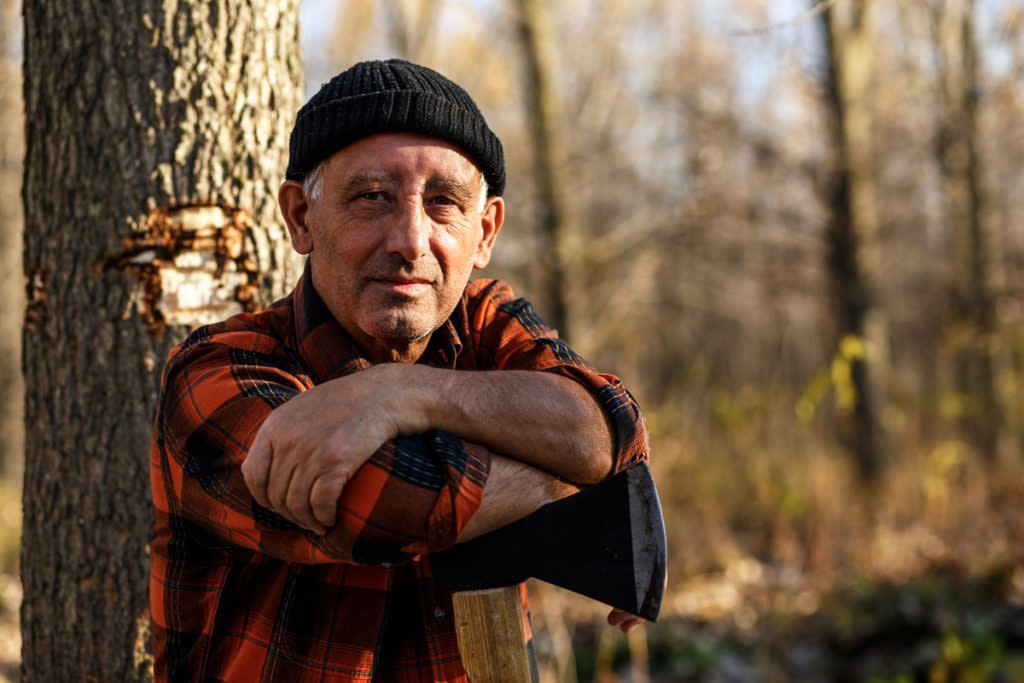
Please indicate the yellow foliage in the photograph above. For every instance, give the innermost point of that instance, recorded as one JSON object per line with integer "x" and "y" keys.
{"x": 839, "y": 377}
{"x": 944, "y": 461}
{"x": 811, "y": 396}
{"x": 953, "y": 405}
{"x": 852, "y": 347}
{"x": 947, "y": 455}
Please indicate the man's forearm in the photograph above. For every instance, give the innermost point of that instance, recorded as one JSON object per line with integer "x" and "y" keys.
{"x": 513, "y": 491}
{"x": 538, "y": 418}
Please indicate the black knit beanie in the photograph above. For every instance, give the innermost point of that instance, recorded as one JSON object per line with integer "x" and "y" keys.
{"x": 375, "y": 97}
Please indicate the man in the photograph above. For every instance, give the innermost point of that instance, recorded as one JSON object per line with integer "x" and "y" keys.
{"x": 305, "y": 458}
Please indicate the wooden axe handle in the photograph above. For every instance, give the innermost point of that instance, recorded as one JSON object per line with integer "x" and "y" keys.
{"x": 489, "y": 628}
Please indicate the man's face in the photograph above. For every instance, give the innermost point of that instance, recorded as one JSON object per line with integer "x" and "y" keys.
{"x": 393, "y": 237}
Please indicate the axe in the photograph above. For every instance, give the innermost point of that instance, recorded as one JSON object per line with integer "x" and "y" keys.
{"x": 606, "y": 542}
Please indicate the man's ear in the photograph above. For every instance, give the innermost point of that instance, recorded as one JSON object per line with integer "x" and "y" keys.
{"x": 492, "y": 218}
{"x": 294, "y": 207}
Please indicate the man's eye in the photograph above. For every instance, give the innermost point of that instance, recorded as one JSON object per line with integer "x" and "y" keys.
{"x": 374, "y": 196}
{"x": 443, "y": 201}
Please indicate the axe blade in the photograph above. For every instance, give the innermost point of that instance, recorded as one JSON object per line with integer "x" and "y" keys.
{"x": 606, "y": 542}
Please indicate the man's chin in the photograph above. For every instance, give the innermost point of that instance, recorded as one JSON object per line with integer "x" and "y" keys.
{"x": 401, "y": 330}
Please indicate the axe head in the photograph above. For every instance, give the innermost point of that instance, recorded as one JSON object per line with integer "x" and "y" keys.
{"x": 606, "y": 542}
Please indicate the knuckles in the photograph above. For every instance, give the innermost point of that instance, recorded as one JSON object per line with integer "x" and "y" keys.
{"x": 325, "y": 495}
{"x": 303, "y": 454}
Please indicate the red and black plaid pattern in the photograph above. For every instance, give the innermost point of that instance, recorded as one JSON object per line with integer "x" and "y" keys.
{"x": 237, "y": 592}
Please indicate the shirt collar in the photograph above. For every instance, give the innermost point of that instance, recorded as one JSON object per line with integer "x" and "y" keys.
{"x": 445, "y": 345}
{"x": 330, "y": 351}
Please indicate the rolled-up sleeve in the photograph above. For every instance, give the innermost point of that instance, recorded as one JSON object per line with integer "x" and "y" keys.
{"x": 511, "y": 336}
{"x": 414, "y": 495}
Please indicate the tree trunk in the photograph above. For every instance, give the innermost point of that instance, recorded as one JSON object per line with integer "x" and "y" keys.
{"x": 132, "y": 106}
{"x": 853, "y": 228}
{"x": 542, "y": 112}
{"x": 976, "y": 271}
{"x": 12, "y": 284}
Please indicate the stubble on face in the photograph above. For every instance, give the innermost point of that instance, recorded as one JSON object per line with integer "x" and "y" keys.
{"x": 401, "y": 317}
{"x": 389, "y": 303}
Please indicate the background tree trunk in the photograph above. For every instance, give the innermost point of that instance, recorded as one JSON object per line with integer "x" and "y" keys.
{"x": 412, "y": 25}
{"x": 131, "y": 105}
{"x": 542, "y": 114}
{"x": 853, "y": 227}
{"x": 976, "y": 270}
{"x": 12, "y": 284}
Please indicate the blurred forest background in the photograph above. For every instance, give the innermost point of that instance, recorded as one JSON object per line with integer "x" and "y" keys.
{"x": 797, "y": 231}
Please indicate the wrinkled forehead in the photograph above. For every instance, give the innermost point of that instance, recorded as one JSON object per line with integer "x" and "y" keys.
{"x": 403, "y": 158}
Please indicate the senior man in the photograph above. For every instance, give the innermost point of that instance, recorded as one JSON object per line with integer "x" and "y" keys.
{"x": 306, "y": 457}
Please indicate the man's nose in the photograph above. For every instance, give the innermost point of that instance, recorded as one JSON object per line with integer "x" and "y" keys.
{"x": 409, "y": 235}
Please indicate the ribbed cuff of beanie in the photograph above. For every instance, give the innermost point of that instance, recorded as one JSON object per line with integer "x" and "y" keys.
{"x": 338, "y": 123}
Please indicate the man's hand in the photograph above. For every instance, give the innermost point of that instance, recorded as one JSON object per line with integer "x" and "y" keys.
{"x": 624, "y": 620}
{"x": 309, "y": 448}
{"x": 629, "y": 622}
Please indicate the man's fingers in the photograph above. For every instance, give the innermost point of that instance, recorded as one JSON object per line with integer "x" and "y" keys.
{"x": 323, "y": 498}
{"x": 617, "y": 616}
{"x": 279, "y": 478}
{"x": 624, "y": 620}
{"x": 299, "y": 473}
{"x": 256, "y": 468}
{"x": 297, "y": 503}
{"x": 631, "y": 624}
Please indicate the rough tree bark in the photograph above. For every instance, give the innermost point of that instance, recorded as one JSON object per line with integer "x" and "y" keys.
{"x": 132, "y": 105}
{"x": 976, "y": 271}
{"x": 542, "y": 113}
{"x": 12, "y": 284}
{"x": 853, "y": 224}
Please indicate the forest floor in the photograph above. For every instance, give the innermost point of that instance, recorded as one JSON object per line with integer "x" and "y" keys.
{"x": 753, "y": 624}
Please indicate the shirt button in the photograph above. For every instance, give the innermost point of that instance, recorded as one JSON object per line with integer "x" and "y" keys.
{"x": 439, "y": 614}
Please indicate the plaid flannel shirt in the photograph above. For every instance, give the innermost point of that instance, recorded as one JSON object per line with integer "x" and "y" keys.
{"x": 237, "y": 592}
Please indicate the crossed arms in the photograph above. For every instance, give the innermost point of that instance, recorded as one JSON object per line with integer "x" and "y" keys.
{"x": 310, "y": 447}
{"x": 249, "y": 447}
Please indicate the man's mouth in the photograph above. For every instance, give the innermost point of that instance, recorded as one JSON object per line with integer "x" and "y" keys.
{"x": 403, "y": 285}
